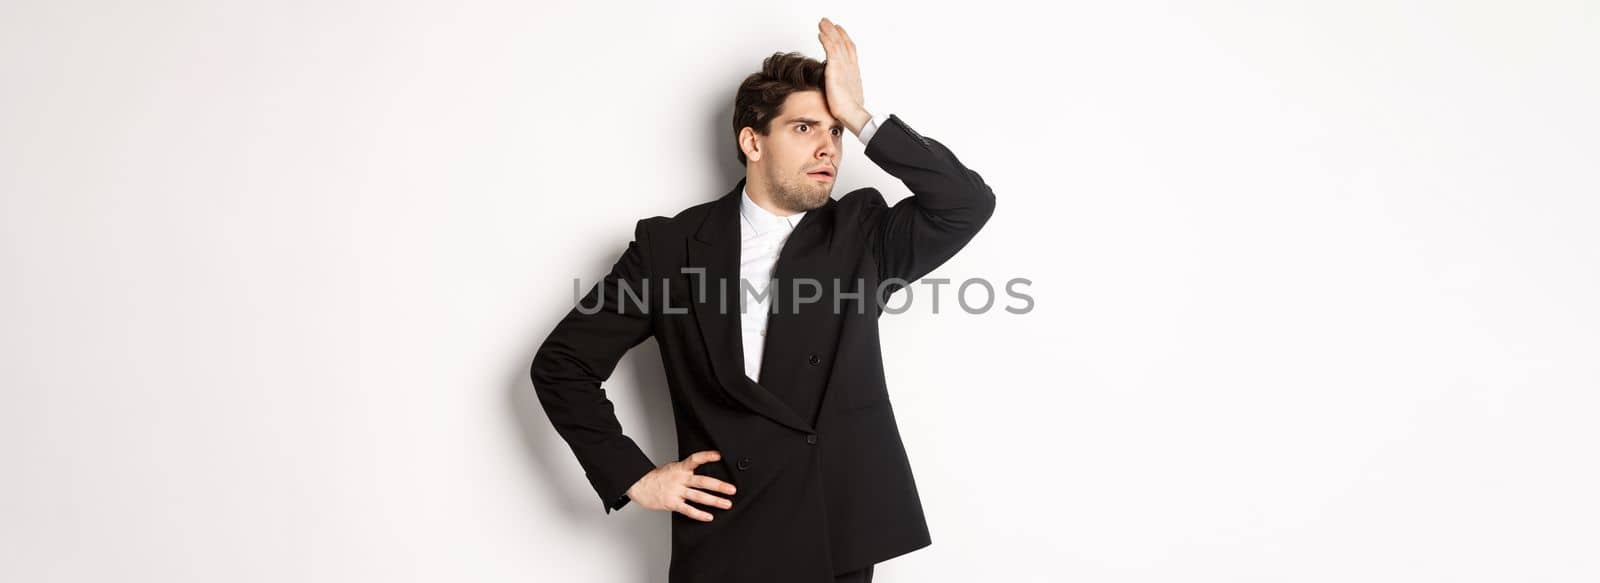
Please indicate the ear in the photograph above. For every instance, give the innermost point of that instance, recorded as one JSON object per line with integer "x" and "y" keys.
{"x": 749, "y": 141}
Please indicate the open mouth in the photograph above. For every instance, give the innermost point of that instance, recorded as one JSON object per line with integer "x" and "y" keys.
{"x": 822, "y": 174}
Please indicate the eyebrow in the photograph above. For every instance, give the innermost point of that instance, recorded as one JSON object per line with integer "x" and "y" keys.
{"x": 812, "y": 122}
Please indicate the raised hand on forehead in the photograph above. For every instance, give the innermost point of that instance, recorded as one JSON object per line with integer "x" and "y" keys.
{"x": 842, "y": 77}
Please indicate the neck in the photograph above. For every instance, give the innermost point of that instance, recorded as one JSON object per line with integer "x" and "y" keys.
{"x": 761, "y": 193}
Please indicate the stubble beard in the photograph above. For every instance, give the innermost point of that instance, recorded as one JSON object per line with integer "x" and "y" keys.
{"x": 800, "y": 194}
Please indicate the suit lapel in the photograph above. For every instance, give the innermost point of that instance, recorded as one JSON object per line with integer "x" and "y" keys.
{"x": 804, "y": 257}
{"x": 715, "y": 249}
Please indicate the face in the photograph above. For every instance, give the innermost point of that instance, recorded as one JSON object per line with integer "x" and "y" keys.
{"x": 799, "y": 156}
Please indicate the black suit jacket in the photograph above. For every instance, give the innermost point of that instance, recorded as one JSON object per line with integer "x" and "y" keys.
{"x": 824, "y": 483}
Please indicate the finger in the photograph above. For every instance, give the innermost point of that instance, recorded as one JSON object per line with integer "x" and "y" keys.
{"x": 695, "y": 459}
{"x": 706, "y": 498}
{"x": 710, "y": 483}
{"x": 830, "y": 38}
{"x": 849, "y": 45}
{"x": 828, "y": 49}
{"x": 685, "y": 509}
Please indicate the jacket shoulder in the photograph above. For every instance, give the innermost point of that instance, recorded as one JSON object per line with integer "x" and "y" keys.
{"x": 663, "y": 229}
{"x": 861, "y": 197}
{"x": 861, "y": 205}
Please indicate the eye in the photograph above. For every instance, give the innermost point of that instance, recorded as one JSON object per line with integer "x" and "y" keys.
{"x": 805, "y": 127}
{"x": 838, "y": 132}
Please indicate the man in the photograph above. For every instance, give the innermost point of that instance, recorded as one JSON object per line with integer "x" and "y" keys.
{"x": 765, "y": 306}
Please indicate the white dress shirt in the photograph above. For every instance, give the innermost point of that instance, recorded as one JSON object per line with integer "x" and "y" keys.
{"x": 761, "y": 237}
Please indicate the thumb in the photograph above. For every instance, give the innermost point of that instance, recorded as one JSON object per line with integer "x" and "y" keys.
{"x": 695, "y": 459}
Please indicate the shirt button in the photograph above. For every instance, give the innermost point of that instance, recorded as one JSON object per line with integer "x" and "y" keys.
{"x": 814, "y": 360}
{"x": 763, "y": 332}
{"x": 744, "y": 463}
{"x": 812, "y": 439}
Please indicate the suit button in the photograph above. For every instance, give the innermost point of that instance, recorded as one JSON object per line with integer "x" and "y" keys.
{"x": 811, "y": 438}
{"x": 744, "y": 463}
{"x": 814, "y": 360}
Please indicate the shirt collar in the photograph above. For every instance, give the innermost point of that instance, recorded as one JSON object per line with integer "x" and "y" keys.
{"x": 760, "y": 219}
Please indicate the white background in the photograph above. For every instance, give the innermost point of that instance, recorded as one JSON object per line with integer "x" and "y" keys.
{"x": 1314, "y": 283}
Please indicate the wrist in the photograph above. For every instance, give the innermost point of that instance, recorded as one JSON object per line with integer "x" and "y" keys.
{"x": 856, "y": 120}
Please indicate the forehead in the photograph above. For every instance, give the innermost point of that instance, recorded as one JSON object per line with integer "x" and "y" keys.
{"x": 805, "y": 104}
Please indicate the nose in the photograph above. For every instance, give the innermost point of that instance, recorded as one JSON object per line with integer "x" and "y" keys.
{"x": 829, "y": 150}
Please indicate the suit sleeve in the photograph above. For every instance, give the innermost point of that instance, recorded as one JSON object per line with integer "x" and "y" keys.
{"x": 580, "y": 353}
{"x": 949, "y": 204}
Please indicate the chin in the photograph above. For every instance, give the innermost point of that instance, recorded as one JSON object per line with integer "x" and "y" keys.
{"x": 820, "y": 198}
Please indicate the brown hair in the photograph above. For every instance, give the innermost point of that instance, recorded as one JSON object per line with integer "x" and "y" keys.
{"x": 761, "y": 95}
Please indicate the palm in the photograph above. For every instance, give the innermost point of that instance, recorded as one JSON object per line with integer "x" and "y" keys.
{"x": 842, "y": 76}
